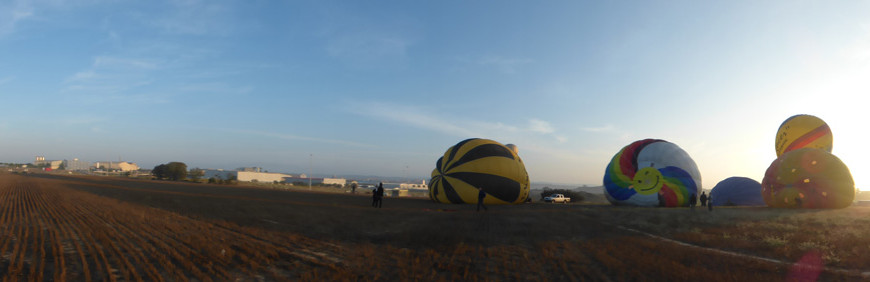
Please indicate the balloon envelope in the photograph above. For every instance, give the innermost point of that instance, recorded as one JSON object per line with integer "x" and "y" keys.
{"x": 808, "y": 178}
{"x": 479, "y": 164}
{"x": 651, "y": 172}
{"x": 737, "y": 191}
{"x": 803, "y": 131}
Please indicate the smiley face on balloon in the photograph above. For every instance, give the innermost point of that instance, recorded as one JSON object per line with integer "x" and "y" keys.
{"x": 647, "y": 181}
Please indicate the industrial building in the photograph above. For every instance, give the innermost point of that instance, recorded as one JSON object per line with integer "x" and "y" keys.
{"x": 319, "y": 181}
{"x": 76, "y": 165}
{"x": 115, "y": 166}
{"x": 246, "y": 176}
{"x": 40, "y": 161}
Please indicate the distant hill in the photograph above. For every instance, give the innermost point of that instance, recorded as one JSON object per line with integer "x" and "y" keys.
{"x": 598, "y": 190}
{"x": 584, "y": 188}
{"x": 593, "y": 198}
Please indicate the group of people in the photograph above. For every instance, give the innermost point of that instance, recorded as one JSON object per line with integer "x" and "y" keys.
{"x": 378, "y": 196}
{"x": 706, "y": 201}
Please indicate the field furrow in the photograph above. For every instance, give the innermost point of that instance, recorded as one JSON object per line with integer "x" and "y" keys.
{"x": 56, "y": 233}
{"x": 87, "y": 228}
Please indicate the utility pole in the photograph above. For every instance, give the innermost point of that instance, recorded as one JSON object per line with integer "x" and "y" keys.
{"x": 310, "y": 158}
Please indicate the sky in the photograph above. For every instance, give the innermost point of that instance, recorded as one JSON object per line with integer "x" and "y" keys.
{"x": 385, "y": 87}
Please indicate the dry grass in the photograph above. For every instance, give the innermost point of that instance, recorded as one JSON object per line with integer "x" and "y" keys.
{"x": 56, "y": 233}
{"x": 146, "y": 230}
{"x": 841, "y": 236}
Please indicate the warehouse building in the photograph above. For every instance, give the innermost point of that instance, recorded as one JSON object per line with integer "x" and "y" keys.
{"x": 246, "y": 176}
{"x": 115, "y": 166}
{"x": 76, "y": 165}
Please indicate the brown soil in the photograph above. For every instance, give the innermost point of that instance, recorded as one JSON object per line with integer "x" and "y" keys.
{"x": 177, "y": 231}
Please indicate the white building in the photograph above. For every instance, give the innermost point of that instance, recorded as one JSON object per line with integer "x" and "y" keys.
{"x": 335, "y": 181}
{"x": 411, "y": 186}
{"x": 40, "y": 161}
{"x": 248, "y": 176}
{"x": 251, "y": 176}
{"x": 116, "y": 166}
{"x": 314, "y": 180}
{"x": 76, "y": 165}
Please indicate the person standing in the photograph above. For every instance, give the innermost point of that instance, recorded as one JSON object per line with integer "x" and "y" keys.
{"x": 353, "y": 188}
{"x": 376, "y": 198}
{"x": 710, "y": 203}
{"x": 380, "y": 194}
{"x": 480, "y": 197}
{"x": 703, "y": 198}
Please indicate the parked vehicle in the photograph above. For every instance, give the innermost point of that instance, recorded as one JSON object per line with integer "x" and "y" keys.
{"x": 557, "y": 198}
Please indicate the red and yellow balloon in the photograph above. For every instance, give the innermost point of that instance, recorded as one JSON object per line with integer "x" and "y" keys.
{"x": 803, "y": 131}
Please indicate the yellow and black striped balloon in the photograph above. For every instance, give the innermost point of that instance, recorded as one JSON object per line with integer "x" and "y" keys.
{"x": 483, "y": 164}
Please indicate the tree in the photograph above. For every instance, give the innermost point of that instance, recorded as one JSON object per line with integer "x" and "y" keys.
{"x": 196, "y": 174}
{"x": 172, "y": 171}
{"x": 160, "y": 171}
{"x": 176, "y": 171}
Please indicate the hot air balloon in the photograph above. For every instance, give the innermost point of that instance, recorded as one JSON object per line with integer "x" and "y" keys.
{"x": 651, "y": 172}
{"x": 808, "y": 178}
{"x": 483, "y": 164}
{"x": 803, "y": 131}
{"x": 513, "y": 148}
{"x": 737, "y": 191}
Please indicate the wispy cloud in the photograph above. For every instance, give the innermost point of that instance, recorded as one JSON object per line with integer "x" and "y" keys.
{"x": 13, "y": 12}
{"x": 98, "y": 85}
{"x": 454, "y": 125}
{"x": 367, "y": 46}
{"x": 413, "y": 116}
{"x": 505, "y": 65}
{"x": 196, "y": 17}
{"x": 605, "y": 128}
{"x": 299, "y": 138}
{"x": 216, "y": 88}
{"x": 124, "y": 63}
{"x": 82, "y": 76}
{"x": 540, "y": 126}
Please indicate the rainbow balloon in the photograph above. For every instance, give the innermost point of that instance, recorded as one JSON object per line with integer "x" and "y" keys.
{"x": 808, "y": 178}
{"x": 803, "y": 131}
{"x": 651, "y": 172}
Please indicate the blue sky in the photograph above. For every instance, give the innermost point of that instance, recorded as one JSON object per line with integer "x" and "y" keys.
{"x": 384, "y": 88}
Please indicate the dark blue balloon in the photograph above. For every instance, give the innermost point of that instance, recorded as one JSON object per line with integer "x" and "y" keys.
{"x": 737, "y": 191}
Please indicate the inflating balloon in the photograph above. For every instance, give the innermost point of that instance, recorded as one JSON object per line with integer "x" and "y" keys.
{"x": 651, "y": 172}
{"x": 737, "y": 191}
{"x": 808, "y": 178}
{"x": 803, "y": 131}
{"x": 513, "y": 148}
{"x": 479, "y": 164}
